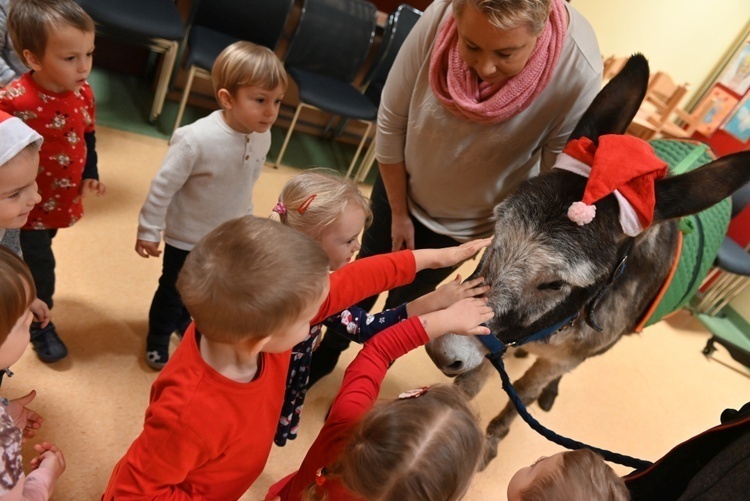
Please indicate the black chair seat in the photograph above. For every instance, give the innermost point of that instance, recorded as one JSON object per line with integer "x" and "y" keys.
{"x": 733, "y": 258}
{"x": 146, "y": 18}
{"x": 333, "y": 96}
{"x": 205, "y": 46}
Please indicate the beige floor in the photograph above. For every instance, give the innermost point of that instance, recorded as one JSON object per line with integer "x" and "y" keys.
{"x": 644, "y": 396}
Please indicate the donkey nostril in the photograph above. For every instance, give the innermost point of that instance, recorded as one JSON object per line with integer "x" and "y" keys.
{"x": 456, "y": 366}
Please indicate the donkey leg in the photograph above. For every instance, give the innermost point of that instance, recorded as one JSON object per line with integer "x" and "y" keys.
{"x": 528, "y": 387}
{"x": 473, "y": 381}
{"x": 549, "y": 394}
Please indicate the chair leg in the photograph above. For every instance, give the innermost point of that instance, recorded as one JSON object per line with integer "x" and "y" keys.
{"x": 170, "y": 49}
{"x": 367, "y": 162}
{"x": 359, "y": 148}
{"x": 185, "y": 95}
{"x": 288, "y": 135}
{"x": 737, "y": 286}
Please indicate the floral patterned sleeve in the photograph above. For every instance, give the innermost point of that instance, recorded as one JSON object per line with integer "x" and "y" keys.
{"x": 359, "y": 326}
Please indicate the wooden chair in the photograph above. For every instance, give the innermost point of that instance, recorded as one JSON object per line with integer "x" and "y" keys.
{"x": 662, "y": 98}
{"x": 612, "y": 66}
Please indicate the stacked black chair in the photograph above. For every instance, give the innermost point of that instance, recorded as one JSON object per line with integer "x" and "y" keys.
{"x": 154, "y": 23}
{"x": 329, "y": 48}
{"x": 216, "y": 24}
{"x": 399, "y": 25}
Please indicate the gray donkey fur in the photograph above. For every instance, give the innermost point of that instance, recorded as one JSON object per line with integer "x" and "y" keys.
{"x": 542, "y": 267}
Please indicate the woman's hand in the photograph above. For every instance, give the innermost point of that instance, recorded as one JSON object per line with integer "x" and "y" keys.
{"x": 402, "y": 232}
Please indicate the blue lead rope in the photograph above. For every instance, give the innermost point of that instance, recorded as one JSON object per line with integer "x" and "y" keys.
{"x": 497, "y": 349}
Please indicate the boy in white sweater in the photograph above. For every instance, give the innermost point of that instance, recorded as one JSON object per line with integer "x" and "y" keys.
{"x": 207, "y": 177}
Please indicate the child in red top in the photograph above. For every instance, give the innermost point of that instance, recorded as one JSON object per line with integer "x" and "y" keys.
{"x": 330, "y": 209}
{"x": 16, "y": 421}
{"x": 252, "y": 287}
{"x": 425, "y": 445}
{"x": 55, "y": 38}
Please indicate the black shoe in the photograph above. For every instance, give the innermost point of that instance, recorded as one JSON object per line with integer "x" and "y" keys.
{"x": 157, "y": 355}
{"x": 48, "y": 345}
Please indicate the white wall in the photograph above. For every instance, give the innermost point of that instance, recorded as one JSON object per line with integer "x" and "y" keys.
{"x": 687, "y": 39}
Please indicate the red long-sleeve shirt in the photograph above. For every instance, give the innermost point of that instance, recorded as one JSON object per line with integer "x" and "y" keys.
{"x": 208, "y": 437}
{"x": 358, "y": 393}
{"x": 62, "y": 119}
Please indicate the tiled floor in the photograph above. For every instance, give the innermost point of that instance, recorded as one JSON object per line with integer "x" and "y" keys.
{"x": 641, "y": 398}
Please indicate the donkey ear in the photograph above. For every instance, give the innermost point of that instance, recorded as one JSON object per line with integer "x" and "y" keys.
{"x": 617, "y": 103}
{"x": 700, "y": 189}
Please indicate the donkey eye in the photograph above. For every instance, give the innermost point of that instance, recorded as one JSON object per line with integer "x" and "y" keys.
{"x": 551, "y": 286}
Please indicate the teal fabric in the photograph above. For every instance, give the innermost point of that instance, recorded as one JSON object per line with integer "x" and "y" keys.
{"x": 702, "y": 232}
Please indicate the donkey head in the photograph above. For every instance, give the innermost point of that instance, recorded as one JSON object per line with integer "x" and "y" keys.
{"x": 543, "y": 268}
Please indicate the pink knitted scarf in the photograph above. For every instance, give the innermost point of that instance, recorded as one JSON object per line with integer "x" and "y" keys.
{"x": 461, "y": 92}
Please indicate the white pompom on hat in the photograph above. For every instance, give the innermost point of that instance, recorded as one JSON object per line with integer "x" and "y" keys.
{"x": 15, "y": 135}
{"x": 620, "y": 165}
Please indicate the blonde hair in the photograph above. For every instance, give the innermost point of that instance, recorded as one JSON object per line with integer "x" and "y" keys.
{"x": 244, "y": 64}
{"x": 249, "y": 277}
{"x": 583, "y": 475}
{"x": 427, "y": 447}
{"x": 510, "y": 14}
{"x": 314, "y": 200}
{"x": 29, "y": 22}
{"x": 17, "y": 291}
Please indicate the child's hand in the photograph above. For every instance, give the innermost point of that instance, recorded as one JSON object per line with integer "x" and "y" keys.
{"x": 145, "y": 248}
{"x": 25, "y": 419}
{"x": 464, "y": 317}
{"x": 93, "y": 185}
{"x": 41, "y": 312}
{"x": 446, "y": 295}
{"x": 442, "y": 258}
{"x": 49, "y": 458}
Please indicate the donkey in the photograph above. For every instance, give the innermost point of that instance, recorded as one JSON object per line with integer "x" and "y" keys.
{"x": 542, "y": 268}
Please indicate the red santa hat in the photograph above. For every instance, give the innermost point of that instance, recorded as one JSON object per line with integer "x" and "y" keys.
{"x": 15, "y": 135}
{"x": 622, "y": 165}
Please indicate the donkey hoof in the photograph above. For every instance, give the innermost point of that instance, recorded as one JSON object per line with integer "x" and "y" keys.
{"x": 490, "y": 452}
{"x": 546, "y": 400}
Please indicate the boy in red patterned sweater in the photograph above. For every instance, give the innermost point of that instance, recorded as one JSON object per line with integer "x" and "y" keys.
{"x": 55, "y": 38}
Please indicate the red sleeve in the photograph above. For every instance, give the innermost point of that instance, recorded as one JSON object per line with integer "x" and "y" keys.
{"x": 358, "y": 393}
{"x": 157, "y": 463}
{"x": 366, "y": 277}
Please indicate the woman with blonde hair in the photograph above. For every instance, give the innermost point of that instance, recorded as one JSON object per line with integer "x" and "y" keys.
{"x": 482, "y": 96}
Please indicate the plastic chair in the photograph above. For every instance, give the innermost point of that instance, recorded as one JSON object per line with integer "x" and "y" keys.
{"x": 154, "y": 23}
{"x": 732, "y": 266}
{"x": 612, "y": 66}
{"x": 730, "y": 277}
{"x": 216, "y": 24}
{"x": 332, "y": 40}
{"x": 399, "y": 24}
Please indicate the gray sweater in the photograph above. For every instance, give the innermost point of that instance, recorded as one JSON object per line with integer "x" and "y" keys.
{"x": 459, "y": 170}
{"x": 206, "y": 179}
